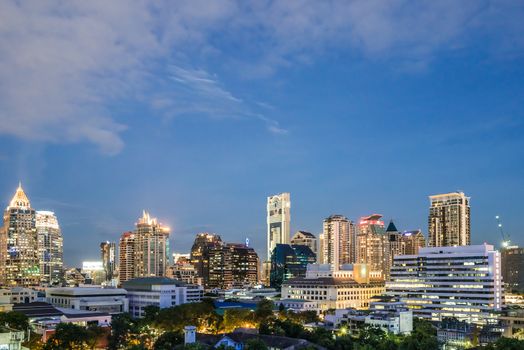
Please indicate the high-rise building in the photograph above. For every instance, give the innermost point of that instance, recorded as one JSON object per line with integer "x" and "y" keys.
{"x": 126, "y": 263}
{"x": 305, "y": 238}
{"x": 337, "y": 241}
{"x": 278, "y": 221}
{"x": 20, "y": 265}
{"x": 449, "y": 220}
{"x": 204, "y": 242}
{"x": 393, "y": 245}
{"x": 464, "y": 282}
{"x": 108, "y": 255}
{"x": 370, "y": 242}
{"x": 289, "y": 261}
{"x": 244, "y": 265}
{"x": 50, "y": 248}
{"x": 151, "y": 247}
{"x": 513, "y": 268}
{"x": 413, "y": 241}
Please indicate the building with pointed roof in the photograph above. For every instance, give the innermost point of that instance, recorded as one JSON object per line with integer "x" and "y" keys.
{"x": 305, "y": 238}
{"x": 19, "y": 260}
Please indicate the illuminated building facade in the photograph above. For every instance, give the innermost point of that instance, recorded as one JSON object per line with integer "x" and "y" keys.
{"x": 126, "y": 257}
{"x": 371, "y": 242}
{"x": 413, "y": 241}
{"x": 463, "y": 282}
{"x": 449, "y": 220}
{"x": 151, "y": 247}
{"x": 278, "y": 221}
{"x": 289, "y": 261}
{"x": 338, "y": 242}
{"x": 108, "y": 255}
{"x": 305, "y": 238}
{"x": 200, "y": 253}
{"x": 19, "y": 260}
{"x": 513, "y": 268}
{"x": 244, "y": 265}
{"x": 50, "y": 248}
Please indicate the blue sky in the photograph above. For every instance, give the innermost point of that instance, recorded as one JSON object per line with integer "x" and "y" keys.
{"x": 197, "y": 111}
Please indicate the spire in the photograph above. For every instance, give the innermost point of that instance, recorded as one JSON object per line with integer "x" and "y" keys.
{"x": 20, "y": 199}
{"x": 391, "y": 227}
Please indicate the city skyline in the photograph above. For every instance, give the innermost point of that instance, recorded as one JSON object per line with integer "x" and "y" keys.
{"x": 198, "y": 112}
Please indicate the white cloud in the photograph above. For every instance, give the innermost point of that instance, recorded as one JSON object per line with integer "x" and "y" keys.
{"x": 63, "y": 64}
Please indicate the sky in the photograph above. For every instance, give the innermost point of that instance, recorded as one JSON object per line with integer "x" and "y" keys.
{"x": 198, "y": 110}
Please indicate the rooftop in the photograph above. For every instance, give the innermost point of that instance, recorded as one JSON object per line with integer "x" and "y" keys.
{"x": 146, "y": 283}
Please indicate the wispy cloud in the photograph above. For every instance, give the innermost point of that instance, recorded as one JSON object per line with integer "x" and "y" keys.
{"x": 63, "y": 65}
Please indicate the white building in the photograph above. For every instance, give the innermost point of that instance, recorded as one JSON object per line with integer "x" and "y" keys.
{"x": 350, "y": 287}
{"x": 159, "y": 291}
{"x": 463, "y": 282}
{"x": 449, "y": 220}
{"x": 278, "y": 221}
{"x": 297, "y": 305}
{"x": 11, "y": 339}
{"x": 110, "y": 300}
{"x": 18, "y": 295}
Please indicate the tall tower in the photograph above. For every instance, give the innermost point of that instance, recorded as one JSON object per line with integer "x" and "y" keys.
{"x": 108, "y": 255}
{"x": 126, "y": 260}
{"x": 19, "y": 261}
{"x": 278, "y": 221}
{"x": 50, "y": 248}
{"x": 151, "y": 247}
{"x": 336, "y": 241}
{"x": 449, "y": 220}
{"x": 371, "y": 242}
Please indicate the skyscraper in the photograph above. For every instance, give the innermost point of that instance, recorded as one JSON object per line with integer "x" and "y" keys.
{"x": 278, "y": 221}
{"x": 151, "y": 247}
{"x": 393, "y": 245}
{"x": 413, "y": 241}
{"x": 513, "y": 268}
{"x": 305, "y": 238}
{"x": 449, "y": 220}
{"x": 203, "y": 244}
{"x": 108, "y": 255}
{"x": 289, "y": 261}
{"x": 337, "y": 243}
{"x": 19, "y": 243}
{"x": 50, "y": 248}
{"x": 370, "y": 242}
{"x": 126, "y": 263}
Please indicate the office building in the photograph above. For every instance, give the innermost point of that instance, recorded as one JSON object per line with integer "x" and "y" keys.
{"x": 185, "y": 272}
{"x": 305, "y": 238}
{"x": 513, "y": 268}
{"x": 50, "y": 248}
{"x": 351, "y": 286}
{"x": 289, "y": 261}
{"x": 19, "y": 260}
{"x": 278, "y": 221}
{"x": 244, "y": 265}
{"x": 126, "y": 256}
{"x": 371, "y": 240}
{"x": 110, "y": 300}
{"x": 93, "y": 272}
{"x": 449, "y": 220}
{"x": 463, "y": 282}
{"x": 108, "y": 256}
{"x": 151, "y": 247}
{"x": 203, "y": 244}
{"x": 338, "y": 243}
{"x": 12, "y": 339}
{"x": 162, "y": 292}
{"x": 413, "y": 241}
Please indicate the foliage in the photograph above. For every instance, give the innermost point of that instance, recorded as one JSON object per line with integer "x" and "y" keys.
{"x": 264, "y": 310}
{"x": 506, "y": 344}
{"x": 68, "y": 336}
{"x": 123, "y": 330}
{"x": 255, "y": 344}
{"x": 169, "y": 340}
{"x": 235, "y": 318}
{"x": 14, "y": 320}
{"x": 424, "y": 336}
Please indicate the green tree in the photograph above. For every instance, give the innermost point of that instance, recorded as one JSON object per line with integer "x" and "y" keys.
{"x": 123, "y": 329}
{"x": 94, "y": 334}
{"x": 235, "y": 318}
{"x": 168, "y": 341}
{"x": 264, "y": 310}
{"x": 506, "y": 344}
{"x": 15, "y": 320}
{"x": 150, "y": 313}
{"x": 255, "y": 344}
{"x": 68, "y": 336}
{"x": 424, "y": 336}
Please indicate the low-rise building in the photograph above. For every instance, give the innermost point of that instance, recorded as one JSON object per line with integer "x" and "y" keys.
{"x": 110, "y": 300}
{"x": 352, "y": 286}
{"x": 19, "y": 295}
{"x": 11, "y": 339}
{"x": 297, "y": 305}
{"x": 159, "y": 291}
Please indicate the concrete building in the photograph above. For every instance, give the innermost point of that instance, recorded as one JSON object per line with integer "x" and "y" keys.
{"x": 371, "y": 238}
{"x": 513, "y": 268}
{"x": 289, "y": 261}
{"x": 338, "y": 241}
{"x": 50, "y": 248}
{"x": 464, "y": 282}
{"x": 19, "y": 295}
{"x": 413, "y": 241}
{"x": 93, "y": 272}
{"x": 108, "y": 257}
{"x": 203, "y": 244}
{"x": 159, "y": 291}
{"x": 278, "y": 221}
{"x": 449, "y": 220}
{"x": 185, "y": 272}
{"x": 305, "y": 238}
{"x": 19, "y": 261}
{"x": 352, "y": 286}
{"x": 11, "y": 339}
{"x": 110, "y": 300}
{"x": 151, "y": 247}
{"x": 126, "y": 265}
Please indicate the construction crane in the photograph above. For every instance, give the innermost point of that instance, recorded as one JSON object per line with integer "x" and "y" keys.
{"x": 505, "y": 237}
